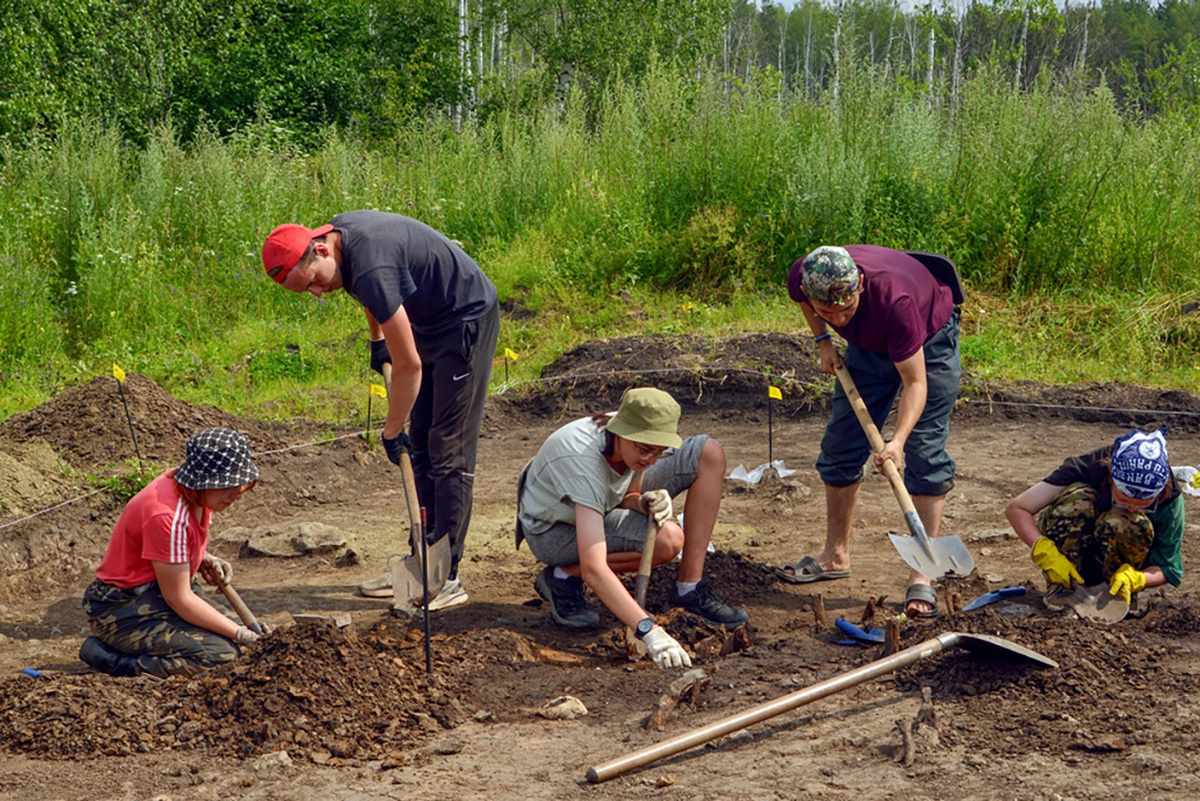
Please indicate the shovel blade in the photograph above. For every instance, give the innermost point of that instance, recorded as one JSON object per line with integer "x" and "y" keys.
{"x": 408, "y": 586}
{"x": 946, "y": 555}
{"x": 998, "y": 646}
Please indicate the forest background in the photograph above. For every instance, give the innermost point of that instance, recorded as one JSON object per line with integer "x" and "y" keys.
{"x": 616, "y": 167}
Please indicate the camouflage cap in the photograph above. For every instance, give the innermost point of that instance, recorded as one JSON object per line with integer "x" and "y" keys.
{"x": 829, "y": 275}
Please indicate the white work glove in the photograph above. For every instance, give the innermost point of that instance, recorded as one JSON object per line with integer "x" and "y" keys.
{"x": 220, "y": 568}
{"x": 245, "y": 636}
{"x": 665, "y": 650}
{"x": 656, "y": 504}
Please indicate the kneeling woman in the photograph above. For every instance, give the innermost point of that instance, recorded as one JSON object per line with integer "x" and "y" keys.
{"x": 583, "y": 504}
{"x": 143, "y": 612}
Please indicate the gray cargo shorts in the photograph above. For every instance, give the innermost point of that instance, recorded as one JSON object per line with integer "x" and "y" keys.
{"x": 624, "y": 529}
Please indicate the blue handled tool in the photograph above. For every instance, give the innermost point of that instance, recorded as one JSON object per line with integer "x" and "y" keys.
{"x": 993, "y": 596}
{"x": 846, "y": 627}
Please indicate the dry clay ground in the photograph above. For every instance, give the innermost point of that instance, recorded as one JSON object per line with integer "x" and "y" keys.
{"x": 358, "y": 719}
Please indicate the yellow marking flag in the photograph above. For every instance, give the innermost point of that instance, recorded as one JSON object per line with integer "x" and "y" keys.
{"x": 510, "y": 354}
{"x": 379, "y": 389}
{"x": 774, "y": 393}
{"x": 118, "y": 373}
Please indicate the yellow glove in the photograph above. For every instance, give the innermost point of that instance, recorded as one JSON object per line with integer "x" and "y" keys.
{"x": 1058, "y": 568}
{"x": 1126, "y": 582}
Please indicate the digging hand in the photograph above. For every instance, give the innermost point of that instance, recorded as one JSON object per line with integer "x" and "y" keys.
{"x": 397, "y": 445}
{"x": 1057, "y": 567}
{"x": 245, "y": 636}
{"x": 214, "y": 568}
{"x": 665, "y": 650}
{"x": 1127, "y": 582}
{"x": 379, "y": 355}
{"x": 656, "y": 504}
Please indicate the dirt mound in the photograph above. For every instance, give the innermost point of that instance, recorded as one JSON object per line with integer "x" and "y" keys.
{"x": 88, "y": 426}
{"x": 1118, "y": 403}
{"x": 314, "y": 690}
{"x": 714, "y": 373}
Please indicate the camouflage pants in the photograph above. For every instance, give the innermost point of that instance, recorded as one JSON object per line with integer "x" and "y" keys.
{"x": 1097, "y": 544}
{"x": 140, "y": 622}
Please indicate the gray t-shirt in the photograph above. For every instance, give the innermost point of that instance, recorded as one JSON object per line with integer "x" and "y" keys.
{"x": 570, "y": 469}
{"x": 389, "y": 260}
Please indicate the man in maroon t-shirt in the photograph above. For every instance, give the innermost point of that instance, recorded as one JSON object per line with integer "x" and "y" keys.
{"x": 900, "y": 324}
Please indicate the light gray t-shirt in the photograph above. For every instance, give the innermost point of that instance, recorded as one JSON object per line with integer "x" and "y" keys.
{"x": 570, "y": 469}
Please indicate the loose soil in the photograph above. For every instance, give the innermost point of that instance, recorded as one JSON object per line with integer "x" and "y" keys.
{"x": 359, "y": 718}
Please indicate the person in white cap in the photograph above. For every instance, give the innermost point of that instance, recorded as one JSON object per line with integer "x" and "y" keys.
{"x": 583, "y": 503}
{"x": 143, "y": 613}
{"x": 434, "y": 316}
{"x": 1112, "y": 515}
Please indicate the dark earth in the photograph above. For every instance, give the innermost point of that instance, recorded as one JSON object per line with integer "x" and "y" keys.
{"x": 358, "y": 717}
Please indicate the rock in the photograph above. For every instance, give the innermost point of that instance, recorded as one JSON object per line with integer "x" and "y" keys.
{"x": 565, "y": 707}
{"x": 272, "y": 761}
{"x": 299, "y": 539}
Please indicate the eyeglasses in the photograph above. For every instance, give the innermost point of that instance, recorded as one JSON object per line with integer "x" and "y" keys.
{"x": 649, "y": 451}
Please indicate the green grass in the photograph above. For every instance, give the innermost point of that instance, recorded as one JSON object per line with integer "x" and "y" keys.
{"x": 1074, "y": 223}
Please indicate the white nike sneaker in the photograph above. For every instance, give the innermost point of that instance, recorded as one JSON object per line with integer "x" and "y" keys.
{"x": 452, "y": 594}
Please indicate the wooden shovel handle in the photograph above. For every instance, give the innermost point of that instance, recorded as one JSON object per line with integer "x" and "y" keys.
{"x": 410, "y": 479}
{"x": 240, "y": 607}
{"x": 875, "y": 438}
{"x": 644, "y": 566}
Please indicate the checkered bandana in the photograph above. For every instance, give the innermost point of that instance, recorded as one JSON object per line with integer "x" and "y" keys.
{"x": 1139, "y": 464}
{"x": 217, "y": 458}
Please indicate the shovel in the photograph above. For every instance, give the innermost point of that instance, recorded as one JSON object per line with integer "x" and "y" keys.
{"x": 634, "y": 647}
{"x": 1093, "y": 602}
{"x": 931, "y": 557}
{"x": 239, "y": 606}
{"x": 993, "y": 596}
{"x": 992, "y": 646}
{"x": 409, "y": 578}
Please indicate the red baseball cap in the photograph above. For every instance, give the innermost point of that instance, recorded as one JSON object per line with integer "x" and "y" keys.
{"x": 285, "y": 245}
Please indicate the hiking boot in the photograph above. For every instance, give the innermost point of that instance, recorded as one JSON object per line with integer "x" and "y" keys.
{"x": 108, "y": 660}
{"x": 703, "y": 602}
{"x": 377, "y": 587}
{"x": 567, "y": 604}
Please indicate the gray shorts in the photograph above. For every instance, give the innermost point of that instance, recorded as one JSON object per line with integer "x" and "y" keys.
{"x": 624, "y": 529}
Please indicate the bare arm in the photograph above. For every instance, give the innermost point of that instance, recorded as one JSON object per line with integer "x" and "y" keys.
{"x": 593, "y": 565}
{"x": 1023, "y": 509}
{"x": 829, "y": 356}
{"x": 913, "y": 395}
{"x": 176, "y": 585}
{"x": 406, "y": 371}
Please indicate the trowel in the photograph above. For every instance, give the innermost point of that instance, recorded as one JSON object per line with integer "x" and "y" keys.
{"x": 1093, "y": 602}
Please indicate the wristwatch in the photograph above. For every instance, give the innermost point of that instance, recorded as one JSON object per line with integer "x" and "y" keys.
{"x": 643, "y": 627}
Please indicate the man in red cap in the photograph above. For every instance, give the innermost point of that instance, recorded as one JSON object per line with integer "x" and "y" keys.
{"x": 433, "y": 315}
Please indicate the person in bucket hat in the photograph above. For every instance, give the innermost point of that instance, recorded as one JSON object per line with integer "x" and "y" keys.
{"x": 1113, "y": 515}
{"x": 899, "y": 319}
{"x": 434, "y": 316}
{"x": 144, "y": 615}
{"x": 583, "y": 503}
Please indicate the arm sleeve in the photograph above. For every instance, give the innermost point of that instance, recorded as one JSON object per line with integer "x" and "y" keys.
{"x": 905, "y": 330}
{"x": 165, "y": 537}
{"x": 1167, "y": 550}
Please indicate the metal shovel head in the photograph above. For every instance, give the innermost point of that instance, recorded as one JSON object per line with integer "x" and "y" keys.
{"x": 408, "y": 586}
{"x": 995, "y": 646}
{"x": 944, "y": 555}
{"x": 1097, "y": 603}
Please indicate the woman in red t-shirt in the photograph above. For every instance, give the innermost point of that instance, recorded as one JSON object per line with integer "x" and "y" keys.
{"x": 141, "y": 607}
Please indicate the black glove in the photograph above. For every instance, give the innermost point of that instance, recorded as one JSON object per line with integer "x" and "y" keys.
{"x": 396, "y": 445}
{"x": 379, "y": 355}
